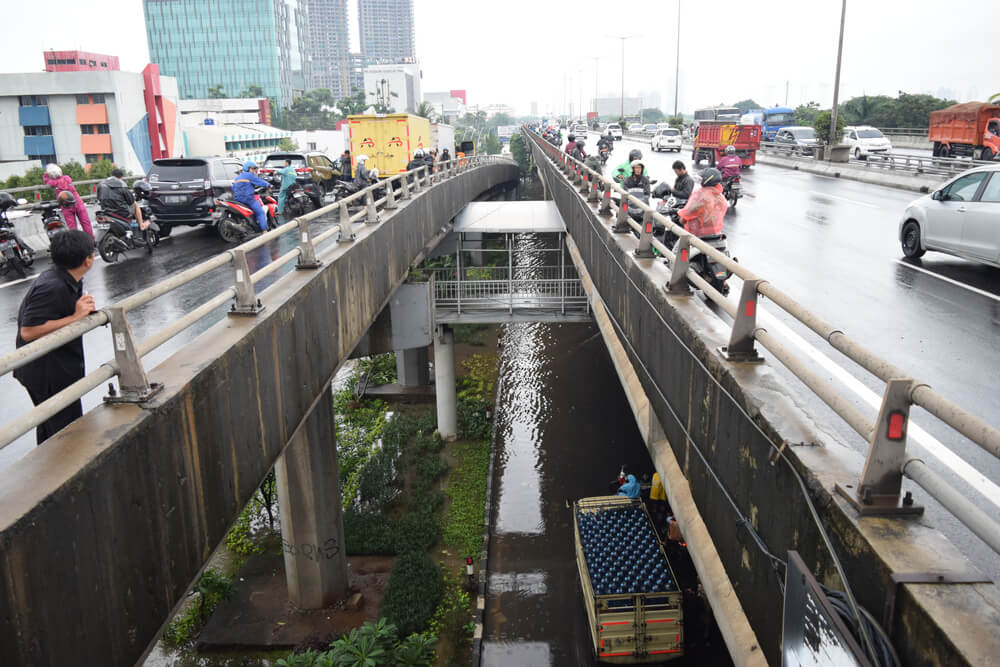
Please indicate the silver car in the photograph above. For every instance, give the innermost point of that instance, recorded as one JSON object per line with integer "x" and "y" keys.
{"x": 961, "y": 218}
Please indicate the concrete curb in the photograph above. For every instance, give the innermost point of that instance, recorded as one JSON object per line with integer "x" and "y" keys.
{"x": 479, "y": 612}
{"x": 903, "y": 181}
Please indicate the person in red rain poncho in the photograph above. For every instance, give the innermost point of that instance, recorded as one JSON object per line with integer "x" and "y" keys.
{"x": 706, "y": 208}
{"x": 54, "y": 178}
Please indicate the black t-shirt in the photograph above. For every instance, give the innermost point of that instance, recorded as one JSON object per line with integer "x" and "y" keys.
{"x": 53, "y": 296}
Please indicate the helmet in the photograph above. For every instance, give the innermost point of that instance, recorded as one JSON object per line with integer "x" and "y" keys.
{"x": 66, "y": 198}
{"x": 374, "y": 172}
{"x": 7, "y": 201}
{"x": 248, "y": 165}
{"x": 633, "y": 163}
{"x": 580, "y": 143}
{"x": 418, "y": 153}
{"x": 730, "y": 150}
{"x": 361, "y": 158}
{"x": 634, "y": 154}
{"x": 572, "y": 137}
{"x": 142, "y": 189}
{"x": 53, "y": 170}
{"x": 710, "y": 176}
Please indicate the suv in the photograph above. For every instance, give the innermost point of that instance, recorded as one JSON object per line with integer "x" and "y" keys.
{"x": 580, "y": 130}
{"x": 865, "y": 140}
{"x": 317, "y": 173}
{"x": 666, "y": 139}
{"x": 797, "y": 139}
{"x": 616, "y": 131}
{"x": 184, "y": 190}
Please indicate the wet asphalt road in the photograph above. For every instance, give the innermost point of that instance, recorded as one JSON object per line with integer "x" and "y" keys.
{"x": 109, "y": 283}
{"x": 832, "y": 245}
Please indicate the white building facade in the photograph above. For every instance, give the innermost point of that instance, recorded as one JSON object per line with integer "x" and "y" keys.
{"x": 397, "y": 86}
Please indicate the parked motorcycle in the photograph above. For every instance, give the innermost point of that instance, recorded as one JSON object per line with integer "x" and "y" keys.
{"x": 710, "y": 270}
{"x": 51, "y": 217}
{"x": 15, "y": 254}
{"x": 237, "y": 222}
{"x": 297, "y": 200}
{"x": 122, "y": 233}
{"x": 732, "y": 190}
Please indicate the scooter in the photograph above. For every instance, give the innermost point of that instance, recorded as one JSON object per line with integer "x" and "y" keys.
{"x": 297, "y": 200}
{"x": 51, "y": 217}
{"x": 732, "y": 190}
{"x": 605, "y": 153}
{"x": 237, "y": 222}
{"x": 15, "y": 254}
{"x": 710, "y": 270}
{"x": 122, "y": 233}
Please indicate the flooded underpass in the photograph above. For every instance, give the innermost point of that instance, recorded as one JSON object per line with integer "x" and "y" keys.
{"x": 564, "y": 429}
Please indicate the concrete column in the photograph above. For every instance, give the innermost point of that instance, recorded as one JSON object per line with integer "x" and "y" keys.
{"x": 444, "y": 379}
{"x": 312, "y": 528}
{"x": 411, "y": 367}
{"x": 475, "y": 240}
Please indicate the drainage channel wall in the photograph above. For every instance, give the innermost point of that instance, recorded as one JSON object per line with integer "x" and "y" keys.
{"x": 105, "y": 526}
{"x": 672, "y": 342}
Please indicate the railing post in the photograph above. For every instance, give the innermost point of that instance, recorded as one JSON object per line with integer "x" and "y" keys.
{"x": 371, "y": 213}
{"x": 390, "y": 196}
{"x": 417, "y": 174}
{"x": 133, "y": 385}
{"x": 593, "y": 197}
{"x": 346, "y": 233}
{"x": 247, "y": 302}
{"x": 741, "y": 341}
{"x": 605, "y": 208}
{"x": 881, "y": 480}
{"x": 678, "y": 283}
{"x": 428, "y": 177}
{"x": 645, "y": 249}
{"x": 621, "y": 225}
{"x": 404, "y": 184}
{"x": 585, "y": 186}
{"x": 307, "y": 251}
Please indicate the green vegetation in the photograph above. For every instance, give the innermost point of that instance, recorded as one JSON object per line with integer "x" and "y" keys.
{"x": 521, "y": 153}
{"x": 73, "y": 169}
{"x": 212, "y": 588}
{"x": 415, "y": 587}
{"x": 882, "y": 111}
{"x": 822, "y": 125}
{"x": 371, "y": 645}
{"x": 747, "y": 105}
{"x": 466, "y": 492}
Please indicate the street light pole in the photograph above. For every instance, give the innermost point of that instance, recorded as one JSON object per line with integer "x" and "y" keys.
{"x": 677, "y": 62}
{"x": 596, "y": 61}
{"x": 836, "y": 78}
{"x": 622, "y": 98}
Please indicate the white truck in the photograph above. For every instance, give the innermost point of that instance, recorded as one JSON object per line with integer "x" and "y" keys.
{"x": 634, "y": 605}
{"x": 442, "y": 137}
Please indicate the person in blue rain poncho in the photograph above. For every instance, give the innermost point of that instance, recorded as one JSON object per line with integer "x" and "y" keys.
{"x": 630, "y": 488}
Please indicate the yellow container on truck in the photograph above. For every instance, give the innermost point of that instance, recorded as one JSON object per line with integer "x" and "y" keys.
{"x": 388, "y": 140}
{"x": 634, "y": 605}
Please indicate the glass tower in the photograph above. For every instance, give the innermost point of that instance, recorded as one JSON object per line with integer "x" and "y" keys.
{"x": 330, "y": 47}
{"x": 386, "y": 30}
{"x": 231, "y": 43}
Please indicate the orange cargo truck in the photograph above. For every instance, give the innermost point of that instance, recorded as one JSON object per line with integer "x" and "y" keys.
{"x": 971, "y": 129}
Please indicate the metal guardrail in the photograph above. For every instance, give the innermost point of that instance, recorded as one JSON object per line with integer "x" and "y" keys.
{"x": 891, "y": 161}
{"x": 134, "y": 386}
{"x": 93, "y": 183}
{"x": 502, "y": 289}
{"x": 904, "y": 131}
{"x": 879, "y": 489}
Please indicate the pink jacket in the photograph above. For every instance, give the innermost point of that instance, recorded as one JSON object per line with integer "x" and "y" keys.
{"x": 62, "y": 183}
{"x": 730, "y": 165}
{"x": 704, "y": 212}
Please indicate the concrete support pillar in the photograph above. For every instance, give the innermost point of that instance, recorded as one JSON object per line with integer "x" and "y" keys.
{"x": 411, "y": 367}
{"x": 475, "y": 240}
{"x": 312, "y": 528}
{"x": 444, "y": 379}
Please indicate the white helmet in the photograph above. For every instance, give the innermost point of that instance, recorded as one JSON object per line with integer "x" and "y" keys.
{"x": 361, "y": 158}
{"x": 374, "y": 172}
{"x": 418, "y": 153}
{"x": 53, "y": 170}
{"x": 637, "y": 162}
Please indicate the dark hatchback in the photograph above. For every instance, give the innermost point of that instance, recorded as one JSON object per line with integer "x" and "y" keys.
{"x": 184, "y": 190}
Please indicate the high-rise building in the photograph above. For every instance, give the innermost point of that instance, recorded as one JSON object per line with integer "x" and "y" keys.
{"x": 79, "y": 61}
{"x": 234, "y": 44}
{"x": 330, "y": 47}
{"x": 386, "y": 30}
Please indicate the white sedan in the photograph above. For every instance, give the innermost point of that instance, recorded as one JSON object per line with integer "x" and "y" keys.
{"x": 668, "y": 139}
{"x": 961, "y": 218}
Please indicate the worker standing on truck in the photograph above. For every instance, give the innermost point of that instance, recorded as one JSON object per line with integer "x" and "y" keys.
{"x": 630, "y": 489}
{"x": 657, "y": 500}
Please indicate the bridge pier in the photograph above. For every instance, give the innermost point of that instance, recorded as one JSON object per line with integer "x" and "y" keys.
{"x": 444, "y": 382}
{"x": 411, "y": 367}
{"x": 312, "y": 528}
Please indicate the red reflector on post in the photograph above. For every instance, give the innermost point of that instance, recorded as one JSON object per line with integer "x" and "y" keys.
{"x": 684, "y": 255}
{"x": 897, "y": 426}
{"x": 750, "y": 308}
{"x": 649, "y": 228}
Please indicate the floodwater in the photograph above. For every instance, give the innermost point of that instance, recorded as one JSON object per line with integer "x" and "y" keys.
{"x": 564, "y": 429}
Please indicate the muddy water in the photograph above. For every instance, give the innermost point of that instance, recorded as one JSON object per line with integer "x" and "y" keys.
{"x": 564, "y": 429}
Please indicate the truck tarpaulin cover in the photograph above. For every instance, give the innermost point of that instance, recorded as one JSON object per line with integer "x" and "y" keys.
{"x": 969, "y": 112}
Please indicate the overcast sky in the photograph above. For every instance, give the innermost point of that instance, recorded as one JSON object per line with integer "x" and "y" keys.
{"x": 519, "y": 51}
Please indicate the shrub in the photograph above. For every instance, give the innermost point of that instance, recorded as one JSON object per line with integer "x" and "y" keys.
{"x": 415, "y": 588}
{"x": 368, "y": 533}
{"x": 473, "y": 423}
{"x": 463, "y": 523}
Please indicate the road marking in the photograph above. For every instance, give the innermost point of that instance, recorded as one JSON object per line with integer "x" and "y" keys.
{"x": 15, "y": 282}
{"x": 935, "y": 447}
{"x": 850, "y": 201}
{"x": 958, "y": 283}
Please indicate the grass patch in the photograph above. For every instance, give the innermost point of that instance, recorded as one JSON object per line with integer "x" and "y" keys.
{"x": 466, "y": 491}
{"x": 212, "y": 588}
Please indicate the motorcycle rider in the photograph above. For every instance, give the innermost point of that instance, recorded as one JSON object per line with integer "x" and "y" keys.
{"x": 418, "y": 160}
{"x": 638, "y": 177}
{"x": 683, "y": 184}
{"x": 624, "y": 170}
{"x": 116, "y": 197}
{"x": 54, "y": 178}
{"x": 288, "y": 179}
{"x": 445, "y": 155}
{"x": 730, "y": 164}
{"x": 578, "y": 151}
{"x": 606, "y": 141}
{"x": 243, "y": 192}
{"x": 361, "y": 179}
{"x": 706, "y": 209}
{"x": 571, "y": 145}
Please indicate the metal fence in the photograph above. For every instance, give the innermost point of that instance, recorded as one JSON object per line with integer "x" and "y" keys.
{"x": 879, "y": 489}
{"x": 889, "y": 161}
{"x": 497, "y": 288}
{"x": 134, "y": 386}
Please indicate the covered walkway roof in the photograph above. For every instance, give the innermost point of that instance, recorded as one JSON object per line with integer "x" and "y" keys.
{"x": 509, "y": 217}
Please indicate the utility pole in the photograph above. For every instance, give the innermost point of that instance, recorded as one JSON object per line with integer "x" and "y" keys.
{"x": 596, "y": 61}
{"x": 677, "y": 61}
{"x": 786, "y": 93}
{"x": 836, "y": 78}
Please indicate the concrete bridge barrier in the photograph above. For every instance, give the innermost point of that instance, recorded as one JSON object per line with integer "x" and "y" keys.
{"x": 104, "y": 527}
